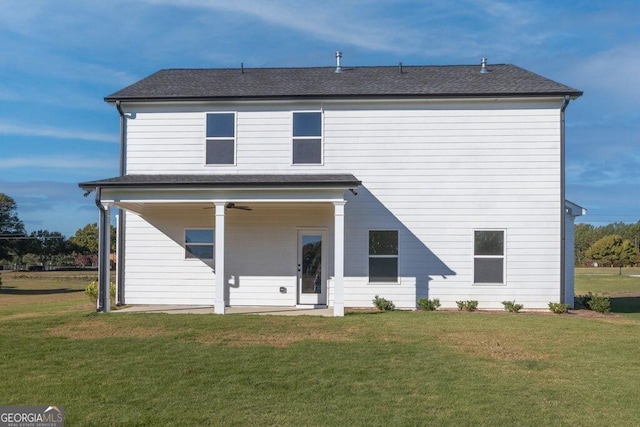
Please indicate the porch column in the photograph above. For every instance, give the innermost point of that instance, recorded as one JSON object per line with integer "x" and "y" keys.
{"x": 104, "y": 273}
{"x": 219, "y": 303}
{"x": 338, "y": 262}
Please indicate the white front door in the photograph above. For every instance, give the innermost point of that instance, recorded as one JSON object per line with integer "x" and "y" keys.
{"x": 312, "y": 270}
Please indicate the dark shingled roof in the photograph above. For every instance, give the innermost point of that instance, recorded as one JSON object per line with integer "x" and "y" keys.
{"x": 358, "y": 82}
{"x": 226, "y": 181}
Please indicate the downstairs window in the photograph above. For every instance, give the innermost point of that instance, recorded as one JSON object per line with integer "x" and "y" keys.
{"x": 383, "y": 256}
{"x": 198, "y": 243}
{"x": 488, "y": 256}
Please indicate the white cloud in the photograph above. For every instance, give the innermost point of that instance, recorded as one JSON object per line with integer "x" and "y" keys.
{"x": 613, "y": 73}
{"x": 21, "y": 129}
{"x": 56, "y": 162}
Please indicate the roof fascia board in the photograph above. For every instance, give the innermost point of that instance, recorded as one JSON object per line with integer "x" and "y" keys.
{"x": 345, "y": 99}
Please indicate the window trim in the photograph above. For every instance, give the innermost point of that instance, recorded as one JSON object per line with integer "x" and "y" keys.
{"x": 212, "y": 244}
{"x": 396, "y": 257}
{"x": 226, "y": 138}
{"x": 321, "y": 137}
{"x": 503, "y": 257}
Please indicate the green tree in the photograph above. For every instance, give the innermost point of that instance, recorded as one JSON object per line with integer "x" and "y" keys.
{"x": 10, "y": 225}
{"x": 585, "y": 235}
{"x": 614, "y": 251}
{"x": 86, "y": 239}
{"x": 46, "y": 244}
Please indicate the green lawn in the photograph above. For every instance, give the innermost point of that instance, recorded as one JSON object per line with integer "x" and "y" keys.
{"x": 400, "y": 368}
{"x": 624, "y": 290}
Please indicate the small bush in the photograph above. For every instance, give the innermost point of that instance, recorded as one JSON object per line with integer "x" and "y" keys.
{"x": 429, "y": 304}
{"x": 467, "y": 305}
{"x": 600, "y": 304}
{"x": 383, "y": 304}
{"x": 92, "y": 292}
{"x": 582, "y": 301}
{"x": 112, "y": 294}
{"x": 512, "y": 307}
{"x": 558, "y": 308}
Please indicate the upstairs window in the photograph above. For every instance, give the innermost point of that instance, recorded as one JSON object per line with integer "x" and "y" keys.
{"x": 307, "y": 138}
{"x": 221, "y": 139}
{"x": 488, "y": 256}
{"x": 383, "y": 256}
{"x": 198, "y": 243}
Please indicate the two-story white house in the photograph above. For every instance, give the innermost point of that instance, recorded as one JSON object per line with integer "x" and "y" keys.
{"x": 327, "y": 186}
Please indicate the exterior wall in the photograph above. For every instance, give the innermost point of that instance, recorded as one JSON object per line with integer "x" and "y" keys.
{"x": 261, "y": 255}
{"x": 434, "y": 171}
{"x": 156, "y": 271}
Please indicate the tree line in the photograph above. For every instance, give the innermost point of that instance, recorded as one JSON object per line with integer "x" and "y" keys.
{"x": 43, "y": 249}
{"x": 612, "y": 245}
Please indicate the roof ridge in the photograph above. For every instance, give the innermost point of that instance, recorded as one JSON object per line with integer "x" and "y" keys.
{"x": 328, "y": 67}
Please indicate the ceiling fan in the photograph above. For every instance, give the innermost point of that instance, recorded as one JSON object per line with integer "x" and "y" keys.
{"x": 232, "y": 205}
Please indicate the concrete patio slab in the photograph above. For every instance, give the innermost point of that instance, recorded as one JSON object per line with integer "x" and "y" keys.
{"x": 188, "y": 309}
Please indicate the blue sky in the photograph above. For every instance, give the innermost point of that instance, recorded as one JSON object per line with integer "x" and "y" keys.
{"x": 58, "y": 59}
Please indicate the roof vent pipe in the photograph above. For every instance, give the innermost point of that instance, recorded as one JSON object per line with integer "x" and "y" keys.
{"x": 483, "y": 66}
{"x": 338, "y": 57}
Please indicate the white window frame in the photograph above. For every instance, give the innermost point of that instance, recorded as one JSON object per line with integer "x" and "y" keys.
{"x": 212, "y": 244}
{"x": 321, "y": 137}
{"x": 503, "y": 257}
{"x": 396, "y": 257}
{"x": 213, "y": 138}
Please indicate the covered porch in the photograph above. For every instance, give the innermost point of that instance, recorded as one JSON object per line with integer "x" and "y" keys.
{"x": 263, "y": 229}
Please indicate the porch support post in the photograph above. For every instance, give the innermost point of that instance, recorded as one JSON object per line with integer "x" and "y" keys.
{"x": 104, "y": 273}
{"x": 219, "y": 303}
{"x": 338, "y": 262}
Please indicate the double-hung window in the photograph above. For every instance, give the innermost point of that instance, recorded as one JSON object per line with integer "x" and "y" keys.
{"x": 383, "y": 256}
{"x": 307, "y": 138}
{"x": 488, "y": 256}
{"x": 198, "y": 243}
{"x": 221, "y": 139}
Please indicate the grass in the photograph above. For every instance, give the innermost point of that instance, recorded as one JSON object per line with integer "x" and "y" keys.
{"x": 397, "y": 368}
{"x": 623, "y": 290}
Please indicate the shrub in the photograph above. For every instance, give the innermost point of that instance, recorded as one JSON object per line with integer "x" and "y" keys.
{"x": 600, "y": 304}
{"x": 383, "y": 304}
{"x": 512, "y": 307}
{"x": 582, "y": 301}
{"x": 112, "y": 294}
{"x": 593, "y": 302}
{"x": 92, "y": 292}
{"x": 429, "y": 304}
{"x": 558, "y": 308}
{"x": 467, "y": 305}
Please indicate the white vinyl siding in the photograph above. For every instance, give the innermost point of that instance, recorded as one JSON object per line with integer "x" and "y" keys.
{"x": 261, "y": 255}
{"x": 433, "y": 171}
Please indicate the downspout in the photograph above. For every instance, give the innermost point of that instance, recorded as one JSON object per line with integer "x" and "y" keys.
{"x": 565, "y": 103}
{"x": 121, "y": 220}
{"x": 103, "y": 255}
